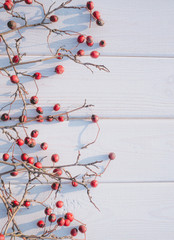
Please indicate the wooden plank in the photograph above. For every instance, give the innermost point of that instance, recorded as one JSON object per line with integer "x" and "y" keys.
{"x": 133, "y": 28}
{"x": 128, "y": 211}
{"x": 144, "y": 148}
{"x": 134, "y": 88}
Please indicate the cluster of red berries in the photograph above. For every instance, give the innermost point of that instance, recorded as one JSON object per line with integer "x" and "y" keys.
{"x": 96, "y": 14}
{"x": 8, "y": 5}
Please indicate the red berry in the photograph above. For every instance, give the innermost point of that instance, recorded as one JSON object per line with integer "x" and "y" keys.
{"x": 50, "y": 118}
{"x": 52, "y": 217}
{"x": 59, "y": 204}
{"x": 41, "y": 224}
{"x": 8, "y": 5}
{"x": 61, "y": 118}
{"x": 80, "y": 53}
{"x": 69, "y": 216}
{"x": 24, "y": 157}
{"x": 44, "y": 146}
{"x": 55, "y": 158}
{"x": 82, "y": 229}
{"x": 37, "y": 75}
{"x": 34, "y": 100}
{"x": 59, "y": 69}
{"x": 2, "y": 236}
{"x": 67, "y": 222}
{"x": 61, "y": 221}
{"x": 31, "y": 143}
{"x": 58, "y": 171}
{"x": 28, "y": 1}
{"x": 14, "y": 79}
{"x": 35, "y": 133}
{"x": 81, "y": 39}
{"x": 39, "y": 118}
{"x": 38, "y": 164}
{"x": 112, "y": 156}
{"x": 15, "y": 203}
{"x": 74, "y": 232}
{"x": 27, "y": 204}
{"x": 89, "y": 39}
{"x": 53, "y": 18}
{"x": 5, "y": 117}
{"x": 55, "y": 186}
{"x": 5, "y": 156}
{"x": 94, "y": 54}
{"x": 74, "y": 184}
{"x": 27, "y": 140}
{"x": 19, "y": 142}
{"x": 23, "y": 118}
{"x": 94, "y": 118}
{"x": 90, "y": 44}
{"x": 90, "y": 5}
{"x": 100, "y": 22}
{"x": 14, "y": 173}
{"x": 60, "y": 56}
{"x": 102, "y": 43}
{"x": 30, "y": 160}
{"x": 96, "y": 15}
{"x": 56, "y": 107}
{"x": 48, "y": 211}
{"x": 39, "y": 110}
{"x": 94, "y": 183}
{"x": 15, "y": 59}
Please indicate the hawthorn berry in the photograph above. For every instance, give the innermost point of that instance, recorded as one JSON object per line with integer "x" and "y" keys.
{"x": 5, "y": 117}
{"x": 14, "y": 173}
{"x": 48, "y": 211}
{"x": 30, "y": 160}
{"x": 94, "y": 118}
{"x": 44, "y": 146}
{"x": 50, "y": 118}
{"x": 15, "y": 59}
{"x": 90, "y": 5}
{"x": 39, "y": 110}
{"x": 67, "y": 223}
{"x": 27, "y": 204}
{"x": 59, "y": 204}
{"x": 56, "y": 107}
{"x": 100, "y": 22}
{"x": 55, "y": 158}
{"x": 34, "y": 100}
{"x": 61, "y": 118}
{"x": 61, "y": 221}
{"x": 23, "y": 118}
{"x": 74, "y": 184}
{"x": 39, "y": 118}
{"x": 52, "y": 218}
{"x": 24, "y": 157}
{"x": 94, "y": 54}
{"x": 34, "y": 133}
{"x": 82, "y": 229}
{"x": 8, "y": 5}
{"x": 58, "y": 171}
{"x": 27, "y": 140}
{"x": 59, "y": 69}
{"x": 28, "y": 1}
{"x": 31, "y": 143}
{"x": 69, "y": 216}
{"x": 96, "y": 15}
{"x": 14, "y": 79}
{"x": 89, "y": 39}
{"x": 15, "y": 203}
{"x": 12, "y": 25}
{"x": 5, "y": 156}
{"x": 94, "y": 183}
{"x": 74, "y": 232}
{"x": 2, "y": 236}
{"x": 37, "y": 75}
{"x": 102, "y": 43}
{"x": 41, "y": 224}
{"x": 90, "y": 44}
{"x": 80, "y": 53}
{"x": 112, "y": 156}
{"x": 55, "y": 186}
{"x": 53, "y": 18}
{"x": 81, "y": 39}
{"x": 19, "y": 142}
{"x": 60, "y": 56}
{"x": 38, "y": 164}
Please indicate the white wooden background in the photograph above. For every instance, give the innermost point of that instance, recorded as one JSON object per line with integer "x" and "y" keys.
{"x": 135, "y": 102}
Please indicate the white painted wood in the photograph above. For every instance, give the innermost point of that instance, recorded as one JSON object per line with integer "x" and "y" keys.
{"x": 128, "y": 211}
{"x": 144, "y": 148}
{"x": 134, "y": 87}
{"x": 133, "y": 28}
